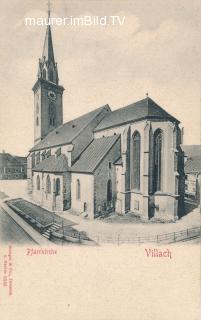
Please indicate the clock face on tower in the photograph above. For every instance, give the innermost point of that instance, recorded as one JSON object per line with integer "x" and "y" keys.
{"x": 52, "y": 95}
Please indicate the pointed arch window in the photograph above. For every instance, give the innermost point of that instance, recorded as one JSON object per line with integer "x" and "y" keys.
{"x": 52, "y": 115}
{"x": 57, "y": 187}
{"x": 37, "y": 121}
{"x": 48, "y": 184}
{"x": 136, "y": 160}
{"x": 44, "y": 74}
{"x": 157, "y": 176}
{"x": 109, "y": 191}
{"x": 78, "y": 190}
{"x": 38, "y": 182}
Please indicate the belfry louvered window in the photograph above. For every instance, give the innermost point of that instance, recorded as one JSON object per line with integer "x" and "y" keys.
{"x": 136, "y": 160}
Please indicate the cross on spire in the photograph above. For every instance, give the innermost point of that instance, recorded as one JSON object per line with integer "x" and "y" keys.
{"x": 49, "y": 7}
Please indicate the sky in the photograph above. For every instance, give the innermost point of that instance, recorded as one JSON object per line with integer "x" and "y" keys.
{"x": 157, "y": 50}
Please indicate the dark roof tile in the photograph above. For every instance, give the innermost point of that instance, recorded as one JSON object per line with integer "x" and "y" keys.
{"x": 53, "y": 164}
{"x": 95, "y": 152}
{"x": 143, "y": 109}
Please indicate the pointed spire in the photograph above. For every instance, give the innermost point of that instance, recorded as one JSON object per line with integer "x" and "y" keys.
{"x": 48, "y": 51}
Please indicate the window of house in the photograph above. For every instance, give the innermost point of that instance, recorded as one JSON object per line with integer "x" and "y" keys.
{"x": 48, "y": 184}
{"x": 110, "y": 164}
{"x": 78, "y": 189}
{"x": 57, "y": 189}
{"x": 38, "y": 182}
{"x": 136, "y": 160}
{"x": 157, "y": 176}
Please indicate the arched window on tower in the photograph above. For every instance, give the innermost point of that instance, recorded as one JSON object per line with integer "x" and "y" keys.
{"x": 38, "y": 182}
{"x": 37, "y": 121}
{"x": 157, "y": 174}
{"x": 44, "y": 74}
{"x": 52, "y": 115}
{"x": 109, "y": 191}
{"x": 78, "y": 189}
{"x": 136, "y": 160}
{"x": 48, "y": 184}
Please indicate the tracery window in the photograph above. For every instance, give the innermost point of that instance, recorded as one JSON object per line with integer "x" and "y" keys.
{"x": 158, "y": 143}
{"x": 136, "y": 160}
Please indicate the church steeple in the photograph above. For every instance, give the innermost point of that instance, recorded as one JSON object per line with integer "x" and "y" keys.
{"x": 48, "y": 51}
{"x": 47, "y": 67}
{"x": 48, "y": 105}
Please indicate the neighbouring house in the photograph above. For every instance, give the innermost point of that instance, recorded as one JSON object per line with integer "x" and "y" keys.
{"x": 12, "y": 167}
{"x": 124, "y": 160}
{"x": 192, "y": 168}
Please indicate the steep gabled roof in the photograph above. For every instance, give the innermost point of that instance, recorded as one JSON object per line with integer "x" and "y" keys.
{"x": 93, "y": 155}
{"x": 53, "y": 164}
{"x": 143, "y": 109}
{"x": 66, "y": 133}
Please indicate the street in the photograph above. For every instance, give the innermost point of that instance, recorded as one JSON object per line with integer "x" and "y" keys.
{"x": 10, "y": 232}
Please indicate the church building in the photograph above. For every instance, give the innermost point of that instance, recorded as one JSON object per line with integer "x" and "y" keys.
{"x": 127, "y": 160}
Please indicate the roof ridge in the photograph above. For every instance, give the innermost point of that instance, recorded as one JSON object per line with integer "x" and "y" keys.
{"x": 52, "y": 133}
{"x": 86, "y": 114}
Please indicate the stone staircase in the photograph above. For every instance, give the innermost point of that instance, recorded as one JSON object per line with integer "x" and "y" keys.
{"x": 47, "y": 233}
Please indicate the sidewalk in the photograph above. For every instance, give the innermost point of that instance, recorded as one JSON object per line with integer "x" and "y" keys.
{"x": 38, "y": 239}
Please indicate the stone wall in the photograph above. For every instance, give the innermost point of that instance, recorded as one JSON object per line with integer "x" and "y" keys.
{"x": 85, "y": 204}
{"x": 104, "y": 172}
{"x": 42, "y": 197}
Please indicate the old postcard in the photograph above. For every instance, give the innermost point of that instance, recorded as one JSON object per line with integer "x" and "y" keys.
{"x": 100, "y": 160}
